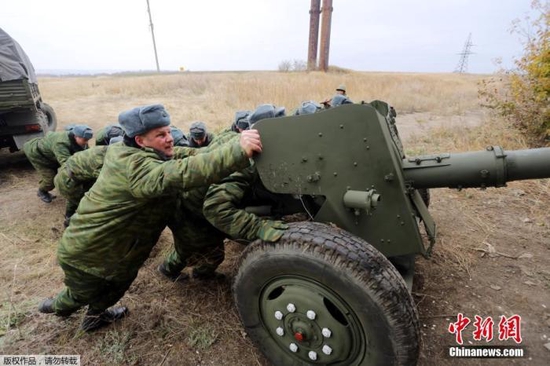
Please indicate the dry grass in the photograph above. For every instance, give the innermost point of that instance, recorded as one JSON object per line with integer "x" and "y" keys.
{"x": 215, "y": 97}
{"x": 193, "y": 323}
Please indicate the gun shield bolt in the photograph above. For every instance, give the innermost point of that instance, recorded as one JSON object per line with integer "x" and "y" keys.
{"x": 312, "y": 355}
{"x": 293, "y": 347}
{"x": 327, "y": 350}
{"x": 326, "y": 332}
{"x": 278, "y": 315}
{"x": 341, "y": 126}
{"x": 320, "y": 134}
{"x": 355, "y": 163}
{"x": 335, "y": 174}
{"x": 280, "y": 331}
{"x": 291, "y": 308}
{"x": 304, "y": 159}
{"x": 311, "y": 314}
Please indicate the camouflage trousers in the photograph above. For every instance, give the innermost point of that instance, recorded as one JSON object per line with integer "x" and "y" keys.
{"x": 196, "y": 243}
{"x": 85, "y": 289}
{"x": 45, "y": 168}
{"x": 70, "y": 189}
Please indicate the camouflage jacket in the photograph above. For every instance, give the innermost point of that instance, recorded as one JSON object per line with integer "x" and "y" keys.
{"x": 121, "y": 217}
{"x": 55, "y": 147}
{"x": 224, "y": 204}
{"x": 193, "y": 199}
{"x": 84, "y": 166}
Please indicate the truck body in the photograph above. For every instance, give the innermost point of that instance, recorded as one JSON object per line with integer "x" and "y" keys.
{"x": 23, "y": 114}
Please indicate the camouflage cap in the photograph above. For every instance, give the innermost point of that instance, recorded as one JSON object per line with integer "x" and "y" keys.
{"x": 139, "y": 120}
{"x": 83, "y": 131}
{"x": 197, "y": 130}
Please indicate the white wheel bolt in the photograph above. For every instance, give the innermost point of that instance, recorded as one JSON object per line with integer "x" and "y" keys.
{"x": 293, "y": 347}
{"x": 291, "y": 308}
{"x": 278, "y": 315}
{"x": 326, "y": 332}
{"x": 311, "y": 314}
{"x": 312, "y": 355}
{"x": 280, "y": 331}
{"x": 327, "y": 350}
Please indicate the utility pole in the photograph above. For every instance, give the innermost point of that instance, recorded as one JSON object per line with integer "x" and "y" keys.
{"x": 325, "y": 34}
{"x": 314, "y": 13}
{"x": 462, "y": 66}
{"x": 153, "y": 34}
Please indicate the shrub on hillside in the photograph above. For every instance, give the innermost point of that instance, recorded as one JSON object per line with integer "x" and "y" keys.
{"x": 524, "y": 95}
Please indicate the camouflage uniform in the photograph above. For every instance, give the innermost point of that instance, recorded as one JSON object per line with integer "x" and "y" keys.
{"x": 196, "y": 241}
{"x": 224, "y": 207}
{"x": 121, "y": 218}
{"x": 48, "y": 153}
{"x": 78, "y": 174}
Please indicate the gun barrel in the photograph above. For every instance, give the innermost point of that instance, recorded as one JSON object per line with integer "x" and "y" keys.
{"x": 490, "y": 168}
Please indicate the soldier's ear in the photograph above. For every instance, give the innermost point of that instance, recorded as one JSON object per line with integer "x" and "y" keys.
{"x": 139, "y": 140}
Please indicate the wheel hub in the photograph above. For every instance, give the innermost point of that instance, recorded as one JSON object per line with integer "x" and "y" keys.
{"x": 310, "y": 321}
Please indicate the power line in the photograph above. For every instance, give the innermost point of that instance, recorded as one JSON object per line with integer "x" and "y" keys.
{"x": 462, "y": 66}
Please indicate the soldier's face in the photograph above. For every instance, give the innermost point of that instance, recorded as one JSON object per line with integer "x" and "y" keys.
{"x": 81, "y": 141}
{"x": 200, "y": 141}
{"x": 159, "y": 139}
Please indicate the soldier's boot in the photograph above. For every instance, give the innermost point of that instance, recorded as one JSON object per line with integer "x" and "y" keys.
{"x": 46, "y": 306}
{"x": 45, "y": 196}
{"x": 94, "y": 320}
{"x": 174, "y": 277}
{"x": 68, "y": 214}
{"x": 208, "y": 275}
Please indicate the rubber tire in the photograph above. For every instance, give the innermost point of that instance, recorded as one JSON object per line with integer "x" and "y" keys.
{"x": 360, "y": 275}
{"x": 50, "y": 114}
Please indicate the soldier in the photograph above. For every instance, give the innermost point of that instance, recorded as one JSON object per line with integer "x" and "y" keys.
{"x": 77, "y": 176}
{"x": 341, "y": 89}
{"x": 241, "y": 121}
{"x": 122, "y": 216}
{"x": 338, "y": 99}
{"x": 105, "y": 135}
{"x": 48, "y": 153}
{"x": 198, "y": 136}
{"x": 179, "y": 137}
{"x": 198, "y": 241}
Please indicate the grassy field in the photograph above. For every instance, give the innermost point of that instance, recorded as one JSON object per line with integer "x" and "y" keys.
{"x": 196, "y": 324}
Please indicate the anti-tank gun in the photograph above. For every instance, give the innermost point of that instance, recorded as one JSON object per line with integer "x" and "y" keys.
{"x": 336, "y": 289}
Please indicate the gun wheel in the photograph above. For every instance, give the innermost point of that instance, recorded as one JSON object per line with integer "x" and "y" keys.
{"x": 323, "y": 296}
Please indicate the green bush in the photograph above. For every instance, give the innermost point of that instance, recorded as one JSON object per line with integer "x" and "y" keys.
{"x": 522, "y": 95}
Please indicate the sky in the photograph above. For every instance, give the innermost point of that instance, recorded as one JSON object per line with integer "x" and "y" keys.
{"x": 211, "y": 35}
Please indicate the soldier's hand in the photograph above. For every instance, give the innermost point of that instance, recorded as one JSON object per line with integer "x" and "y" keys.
{"x": 250, "y": 142}
{"x": 271, "y": 230}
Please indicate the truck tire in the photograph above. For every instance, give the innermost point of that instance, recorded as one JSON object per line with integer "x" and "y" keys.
{"x": 323, "y": 296}
{"x": 50, "y": 114}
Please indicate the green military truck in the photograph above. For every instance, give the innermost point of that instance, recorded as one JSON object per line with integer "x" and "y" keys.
{"x": 23, "y": 114}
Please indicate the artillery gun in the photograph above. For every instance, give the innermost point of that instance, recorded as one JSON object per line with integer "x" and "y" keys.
{"x": 335, "y": 290}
